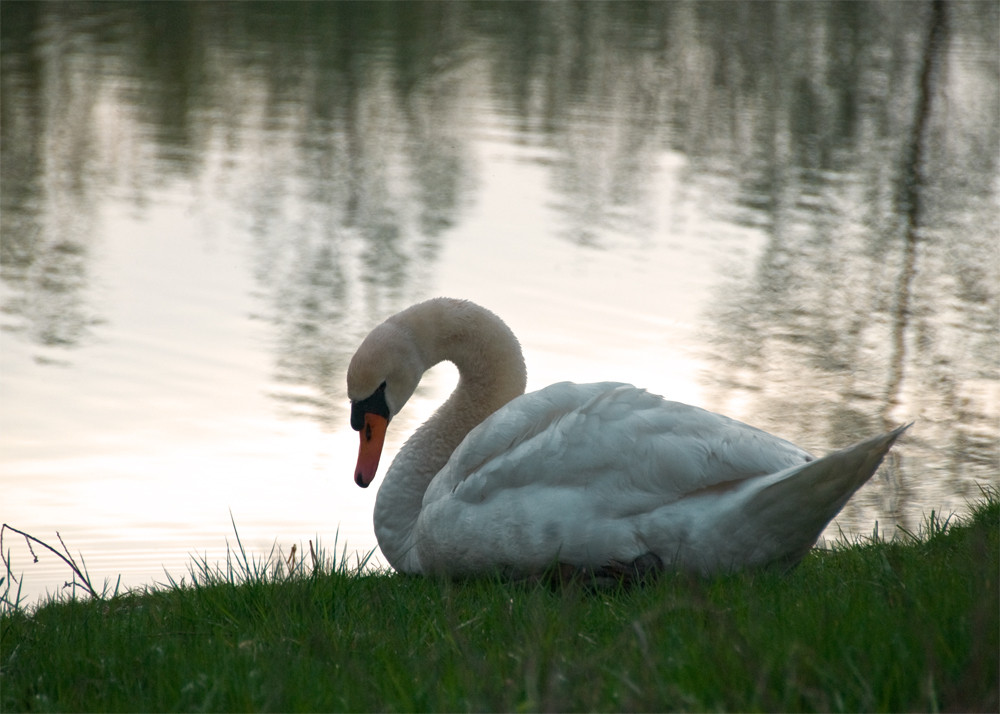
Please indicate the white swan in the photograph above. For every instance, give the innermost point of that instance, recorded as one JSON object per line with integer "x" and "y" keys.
{"x": 602, "y": 477}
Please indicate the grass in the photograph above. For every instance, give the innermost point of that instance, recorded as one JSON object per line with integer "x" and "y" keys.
{"x": 908, "y": 624}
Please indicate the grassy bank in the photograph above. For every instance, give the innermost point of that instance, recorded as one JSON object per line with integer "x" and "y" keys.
{"x": 878, "y": 626}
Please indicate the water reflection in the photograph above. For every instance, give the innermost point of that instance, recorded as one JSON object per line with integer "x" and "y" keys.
{"x": 863, "y": 291}
{"x": 344, "y": 147}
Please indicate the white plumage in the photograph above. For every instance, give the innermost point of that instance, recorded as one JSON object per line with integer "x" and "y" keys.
{"x": 591, "y": 476}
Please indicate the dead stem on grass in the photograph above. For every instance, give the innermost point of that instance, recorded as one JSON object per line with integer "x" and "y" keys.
{"x": 80, "y": 578}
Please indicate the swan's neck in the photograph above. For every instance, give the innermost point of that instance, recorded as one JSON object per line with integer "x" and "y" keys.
{"x": 491, "y": 373}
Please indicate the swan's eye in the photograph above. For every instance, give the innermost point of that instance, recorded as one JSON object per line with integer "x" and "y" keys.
{"x": 375, "y": 404}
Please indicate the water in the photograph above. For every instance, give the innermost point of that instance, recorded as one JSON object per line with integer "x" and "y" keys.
{"x": 758, "y": 208}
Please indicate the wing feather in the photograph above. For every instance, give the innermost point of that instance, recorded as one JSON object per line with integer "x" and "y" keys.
{"x": 607, "y": 435}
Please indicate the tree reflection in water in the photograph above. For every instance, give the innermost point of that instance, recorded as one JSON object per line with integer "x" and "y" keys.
{"x": 345, "y": 141}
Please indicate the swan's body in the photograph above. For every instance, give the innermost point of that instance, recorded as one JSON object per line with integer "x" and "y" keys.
{"x": 591, "y": 476}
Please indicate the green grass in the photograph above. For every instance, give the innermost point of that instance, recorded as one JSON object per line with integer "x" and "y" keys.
{"x": 910, "y": 624}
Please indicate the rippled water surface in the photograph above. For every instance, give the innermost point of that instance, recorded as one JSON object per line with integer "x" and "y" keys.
{"x": 786, "y": 212}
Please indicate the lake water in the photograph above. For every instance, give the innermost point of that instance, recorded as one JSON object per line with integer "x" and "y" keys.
{"x": 785, "y": 212}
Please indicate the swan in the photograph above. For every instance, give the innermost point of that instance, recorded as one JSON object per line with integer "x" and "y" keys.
{"x": 600, "y": 478}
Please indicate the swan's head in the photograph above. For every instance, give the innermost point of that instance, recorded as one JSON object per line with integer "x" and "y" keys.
{"x": 382, "y": 376}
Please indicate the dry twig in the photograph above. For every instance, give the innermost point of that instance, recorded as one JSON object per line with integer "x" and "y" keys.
{"x": 78, "y": 571}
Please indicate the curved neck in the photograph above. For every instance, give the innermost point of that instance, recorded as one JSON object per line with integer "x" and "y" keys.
{"x": 491, "y": 372}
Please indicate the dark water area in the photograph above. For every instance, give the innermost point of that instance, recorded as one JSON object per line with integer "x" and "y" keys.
{"x": 782, "y": 211}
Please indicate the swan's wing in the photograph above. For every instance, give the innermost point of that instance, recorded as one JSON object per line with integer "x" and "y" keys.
{"x": 626, "y": 446}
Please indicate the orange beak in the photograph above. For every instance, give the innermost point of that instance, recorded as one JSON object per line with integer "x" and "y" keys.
{"x": 372, "y": 439}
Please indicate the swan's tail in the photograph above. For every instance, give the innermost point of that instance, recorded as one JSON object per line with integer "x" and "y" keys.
{"x": 796, "y": 507}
